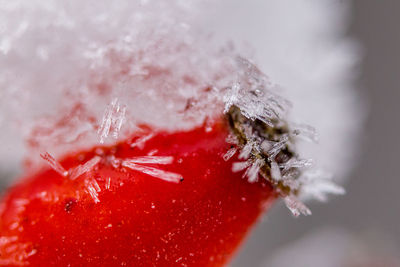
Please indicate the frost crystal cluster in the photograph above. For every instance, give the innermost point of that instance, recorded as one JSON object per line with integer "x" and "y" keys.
{"x": 78, "y": 73}
{"x": 266, "y": 141}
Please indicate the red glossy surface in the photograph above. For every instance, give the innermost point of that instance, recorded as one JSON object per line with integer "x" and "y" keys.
{"x": 140, "y": 220}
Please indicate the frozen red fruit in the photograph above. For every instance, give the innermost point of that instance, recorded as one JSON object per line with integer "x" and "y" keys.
{"x": 158, "y": 199}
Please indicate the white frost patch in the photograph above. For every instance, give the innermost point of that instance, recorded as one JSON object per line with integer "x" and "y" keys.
{"x": 157, "y": 173}
{"x": 54, "y": 164}
{"x": 113, "y": 118}
{"x": 81, "y": 169}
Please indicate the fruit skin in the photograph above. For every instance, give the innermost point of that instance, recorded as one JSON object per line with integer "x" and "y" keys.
{"x": 137, "y": 219}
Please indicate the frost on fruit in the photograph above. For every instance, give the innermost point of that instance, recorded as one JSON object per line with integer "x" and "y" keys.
{"x": 113, "y": 118}
{"x": 141, "y": 141}
{"x": 120, "y": 66}
{"x": 240, "y": 166}
{"x": 54, "y": 164}
{"x": 16, "y": 251}
{"x": 296, "y": 163}
{"x": 137, "y": 164}
{"x": 83, "y": 168}
{"x": 93, "y": 190}
{"x": 275, "y": 171}
{"x": 229, "y": 154}
{"x": 266, "y": 140}
{"x": 252, "y": 172}
{"x": 152, "y": 160}
{"x": 252, "y": 94}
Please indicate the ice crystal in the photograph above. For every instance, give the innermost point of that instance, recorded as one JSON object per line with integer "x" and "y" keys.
{"x": 54, "y": 164}
{"x": 277, "y": 147}
{"x": 108, "y": 183}
{"x": 152, "y": 152}
{"x": 232, "y": 139}
{"x": 240, "y": 166}
{"x": 305, "y": 132}
{"x": 96, "y": 185}
{"x": 229, "y": 154}
{"x": 157, "y": 173}
{"x": 265, "y": 139}
{"x": 275, "y": 171}
{"x": 90, "y": 188}
{"x": 318, "y": 184}
{"x": 138, "y": 164}
{"x": 151, "y": 160}
{"x": 252, "y": 172}
{"x": 141, "y": 141}
{"x": 16, "y": 251}
{"x": 296, "y": 206}
{"x": 296, "y": 163}
{"x": 113, "y": 118}
{"x": 246, "y": 150}
{"x": 84, "y": 168}
{"x": 252, "y": 94}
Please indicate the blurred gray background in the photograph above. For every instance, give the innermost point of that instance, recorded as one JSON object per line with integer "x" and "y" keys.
{"x": 370, "y": 211}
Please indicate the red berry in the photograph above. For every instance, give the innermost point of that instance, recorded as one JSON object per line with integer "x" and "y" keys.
{"x": 122, "y": 208}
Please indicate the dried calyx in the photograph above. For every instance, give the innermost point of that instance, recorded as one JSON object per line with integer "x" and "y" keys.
{"x": 265, "y": 142}
{"x": 265, "y": 146}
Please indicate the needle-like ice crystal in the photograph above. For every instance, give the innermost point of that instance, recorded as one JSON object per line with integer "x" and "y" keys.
{"x": 155, "y": 172}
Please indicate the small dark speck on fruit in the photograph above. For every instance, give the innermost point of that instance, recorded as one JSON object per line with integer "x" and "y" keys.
{"x": 69, "y": 203}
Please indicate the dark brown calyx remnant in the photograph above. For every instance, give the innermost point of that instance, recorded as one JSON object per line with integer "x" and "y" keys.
{"x": 265, "y": 143}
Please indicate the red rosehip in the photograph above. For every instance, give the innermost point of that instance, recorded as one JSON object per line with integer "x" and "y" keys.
{"x": 170, "y": 200}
